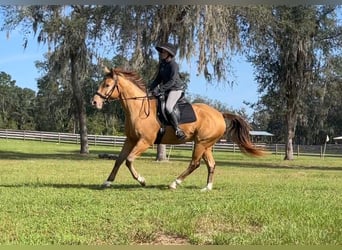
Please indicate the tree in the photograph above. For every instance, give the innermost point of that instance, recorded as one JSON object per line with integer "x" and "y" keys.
{"x": 330, "y": 114}
{"x": 24, "y": 112}
{"x": 286, "y": 43}
{"x": 53, "y": 110}
{"x": 66, "y": 29}
{"x": 195, "y": 29}
{"x": 6, "y": 85}
{"x": 16, "y": 105}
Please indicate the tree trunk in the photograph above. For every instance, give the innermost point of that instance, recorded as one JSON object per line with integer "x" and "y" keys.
{"x": 291, "y": 120}
{"x": 161, "y": 152}
{"x": 80, "y": 107}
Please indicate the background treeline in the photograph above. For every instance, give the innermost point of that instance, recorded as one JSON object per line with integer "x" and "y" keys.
{"x": 295, "y": 51}
{"x": 51, "y": 109}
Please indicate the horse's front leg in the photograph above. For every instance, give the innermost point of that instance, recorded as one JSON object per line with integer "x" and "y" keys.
{"x": 126, "y": 149}
{"x": 138, "y": 149}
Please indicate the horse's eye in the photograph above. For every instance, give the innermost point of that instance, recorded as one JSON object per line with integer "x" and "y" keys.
{"x": 107, "y": 85}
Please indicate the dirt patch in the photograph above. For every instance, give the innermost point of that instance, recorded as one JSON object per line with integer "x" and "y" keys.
{"x": 208, "y": 226}
{"x": 161, "y": 238}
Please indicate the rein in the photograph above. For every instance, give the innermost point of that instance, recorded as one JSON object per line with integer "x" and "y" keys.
{"x": 106, "y": 98}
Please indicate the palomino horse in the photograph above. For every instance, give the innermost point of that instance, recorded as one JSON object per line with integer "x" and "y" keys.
{"x": 142, "y": 126}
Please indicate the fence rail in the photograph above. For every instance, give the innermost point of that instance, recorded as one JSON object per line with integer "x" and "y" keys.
{"x": 105, "y": 140}
{"x": 60, "y": 137}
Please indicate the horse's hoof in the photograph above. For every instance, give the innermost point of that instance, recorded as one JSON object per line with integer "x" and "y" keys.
{"x": 142, "y": 181}
{"x": 173, "y": 186}
{"x": 206, "y": 189}
{"x": 106, "y": 184}
{"x": 175, "y": 183}
{"x": 209, "y": 187}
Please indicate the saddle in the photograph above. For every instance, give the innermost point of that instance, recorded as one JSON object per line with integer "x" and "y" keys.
{"x": 183, "y": 110}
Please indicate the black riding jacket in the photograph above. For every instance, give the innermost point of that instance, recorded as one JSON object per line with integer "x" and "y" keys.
{"x": 168, "y": 77}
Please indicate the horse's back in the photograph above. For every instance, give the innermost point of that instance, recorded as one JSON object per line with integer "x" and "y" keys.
{"x": 202, "y": 109}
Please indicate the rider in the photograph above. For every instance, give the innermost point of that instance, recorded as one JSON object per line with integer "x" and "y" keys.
{"x": 169, "y": 83}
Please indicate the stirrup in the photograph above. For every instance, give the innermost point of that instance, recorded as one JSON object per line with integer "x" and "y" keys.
{"x": 180, "y": 134}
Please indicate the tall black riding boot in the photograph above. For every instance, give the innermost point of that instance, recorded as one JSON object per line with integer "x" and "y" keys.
{"x": 174, "y": 122}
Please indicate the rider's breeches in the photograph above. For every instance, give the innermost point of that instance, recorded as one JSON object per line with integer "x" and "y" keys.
{"x": 172, "y": 99}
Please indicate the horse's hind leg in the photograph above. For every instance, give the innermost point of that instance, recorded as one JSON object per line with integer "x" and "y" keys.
{"x": 194, "y": 164}
{"x": 210, "y": 162}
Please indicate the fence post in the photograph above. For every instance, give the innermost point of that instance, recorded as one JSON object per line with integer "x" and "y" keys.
{"x": 298, "y": 150}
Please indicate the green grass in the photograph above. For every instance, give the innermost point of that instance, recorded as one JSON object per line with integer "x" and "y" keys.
{"x": 51, "y": 195}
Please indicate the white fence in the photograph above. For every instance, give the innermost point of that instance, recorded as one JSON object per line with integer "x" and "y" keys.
{"x": 60, "y": 137}
{"x": 104, "y": 140}
{"x": 99, "y": 140}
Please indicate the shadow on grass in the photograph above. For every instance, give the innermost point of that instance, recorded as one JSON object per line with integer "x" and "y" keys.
{"x": 93, "y": 186}
{"x": 14, "y": 155}
{"x": 70, "y": 155}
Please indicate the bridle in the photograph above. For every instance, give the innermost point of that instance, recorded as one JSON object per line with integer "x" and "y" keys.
{"x": 107, "y": 96}
{"x": 115, "y": 86}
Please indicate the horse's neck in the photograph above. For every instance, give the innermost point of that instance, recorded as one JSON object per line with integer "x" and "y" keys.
{"x": 135, "y": 103}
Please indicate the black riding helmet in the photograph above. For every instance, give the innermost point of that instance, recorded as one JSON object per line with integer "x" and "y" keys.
{"x": 170, "y": 48}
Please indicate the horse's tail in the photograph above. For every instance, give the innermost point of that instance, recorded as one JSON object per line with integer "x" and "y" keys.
{"x": 238, "y": 130}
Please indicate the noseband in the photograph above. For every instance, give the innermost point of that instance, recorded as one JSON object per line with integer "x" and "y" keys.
{"x": 106, "y": 97}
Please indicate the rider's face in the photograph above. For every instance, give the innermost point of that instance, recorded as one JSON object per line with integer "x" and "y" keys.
{"x": 163, "y": 54}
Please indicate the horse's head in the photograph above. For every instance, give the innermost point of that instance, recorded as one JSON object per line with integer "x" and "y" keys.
{"x": 106, "y": 90}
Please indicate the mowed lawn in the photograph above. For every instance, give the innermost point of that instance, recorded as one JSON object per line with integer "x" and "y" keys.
{"x": 52, "y": 195}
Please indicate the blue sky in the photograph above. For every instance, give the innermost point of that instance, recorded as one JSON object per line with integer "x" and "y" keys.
{"x": 20, "y": 64}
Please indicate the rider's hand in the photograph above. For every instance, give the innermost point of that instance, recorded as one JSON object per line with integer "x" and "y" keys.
{"x": 156, "y": 91}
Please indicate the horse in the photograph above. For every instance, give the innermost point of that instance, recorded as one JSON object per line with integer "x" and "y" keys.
{"x": 142, "y": 126}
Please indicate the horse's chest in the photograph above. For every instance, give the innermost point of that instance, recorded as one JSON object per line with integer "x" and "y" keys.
{"x": 140, "y": 127}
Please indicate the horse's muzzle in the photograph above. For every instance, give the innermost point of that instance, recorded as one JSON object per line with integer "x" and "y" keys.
{"x": 97, "y": 102}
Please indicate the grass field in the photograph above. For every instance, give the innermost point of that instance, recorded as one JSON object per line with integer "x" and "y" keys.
{"x": 51, "y": 195}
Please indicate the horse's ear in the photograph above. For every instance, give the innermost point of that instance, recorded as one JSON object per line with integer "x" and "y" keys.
{"x": 106, "y": 70}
